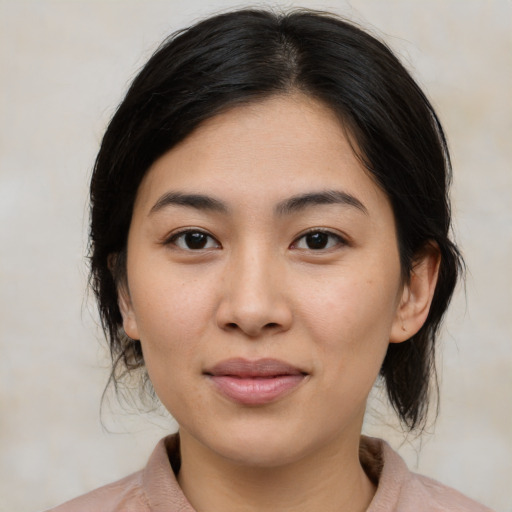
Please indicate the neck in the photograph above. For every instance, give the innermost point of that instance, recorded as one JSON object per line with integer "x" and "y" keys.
{"x": 329, "y": 479}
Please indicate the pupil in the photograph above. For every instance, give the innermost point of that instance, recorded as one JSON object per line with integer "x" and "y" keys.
{"x": 195, "y": 240}
{"x": 317, "y": 240}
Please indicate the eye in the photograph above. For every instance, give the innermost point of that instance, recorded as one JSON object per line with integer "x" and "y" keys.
{"x": 318, "y": 240}
{"x": 193, "y": 240}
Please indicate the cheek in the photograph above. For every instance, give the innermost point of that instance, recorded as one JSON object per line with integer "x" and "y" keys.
{"x": 171, "y": 323}
{"x": 169, "y": 301}
{"x": 172, "y": 311}
{"x": 351, "y": 321}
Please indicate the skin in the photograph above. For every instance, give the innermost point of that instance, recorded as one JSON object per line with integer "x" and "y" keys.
{"x": 259, "y": 288}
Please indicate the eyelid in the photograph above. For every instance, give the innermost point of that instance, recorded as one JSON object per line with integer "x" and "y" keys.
{"x": 342, "y": 240}
{"x": 170, "y": 239}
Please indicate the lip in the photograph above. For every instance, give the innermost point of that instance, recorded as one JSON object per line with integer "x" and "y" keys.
{"x": 255, "y": 382}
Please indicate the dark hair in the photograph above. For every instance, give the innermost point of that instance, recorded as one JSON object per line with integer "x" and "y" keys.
{"x": 245, "y": 56}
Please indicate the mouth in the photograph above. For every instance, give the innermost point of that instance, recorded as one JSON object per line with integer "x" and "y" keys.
{"x": 255, "y": 382}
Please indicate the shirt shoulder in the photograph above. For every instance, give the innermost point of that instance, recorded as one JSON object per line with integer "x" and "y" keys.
{"x": 126, "y": 495}
{"x": 151, "y": 489}
{"x": 437, "y": 497}
{"x": 400, "y": 490}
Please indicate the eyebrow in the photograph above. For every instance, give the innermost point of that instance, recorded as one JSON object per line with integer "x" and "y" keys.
{"x": 197, "y": 201}
{"x": 303, "y": 201}
{"x": 286, "y": 207}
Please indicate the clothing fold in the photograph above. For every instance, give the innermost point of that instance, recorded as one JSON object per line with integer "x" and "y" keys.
{"x": 156, "y": 489}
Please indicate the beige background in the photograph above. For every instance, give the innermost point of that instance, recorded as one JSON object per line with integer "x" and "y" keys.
{"x": 63, "y": 68}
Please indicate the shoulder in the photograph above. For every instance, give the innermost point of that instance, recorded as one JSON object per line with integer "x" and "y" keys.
{"x": 400, "y": 490}
{"x": 153, "y": 488}
{"x": 126, "y": 495}
{"x": 438, "y": 497}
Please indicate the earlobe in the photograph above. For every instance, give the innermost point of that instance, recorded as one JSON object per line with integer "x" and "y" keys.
{"x": 417, "y": 295}
{"x": 117, "y": 266}
{"x": 126, "y": 308}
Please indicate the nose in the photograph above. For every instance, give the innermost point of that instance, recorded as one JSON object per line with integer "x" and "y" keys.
{"x": 254, "y": 299}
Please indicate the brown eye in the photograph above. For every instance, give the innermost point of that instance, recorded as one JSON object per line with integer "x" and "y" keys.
{"x": 318, "y": 240}
{"x": 194, "y": 241}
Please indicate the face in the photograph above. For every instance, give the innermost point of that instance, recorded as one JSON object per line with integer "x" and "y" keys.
{"x": 263, "y": 280}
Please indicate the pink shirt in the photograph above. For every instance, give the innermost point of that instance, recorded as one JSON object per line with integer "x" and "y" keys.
{"x": 155, "y": 489}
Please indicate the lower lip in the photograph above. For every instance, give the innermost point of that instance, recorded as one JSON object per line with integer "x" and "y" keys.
{"x": 256, "y": 390}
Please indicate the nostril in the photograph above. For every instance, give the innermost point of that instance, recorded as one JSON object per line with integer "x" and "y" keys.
{"x": 235, "y": 326}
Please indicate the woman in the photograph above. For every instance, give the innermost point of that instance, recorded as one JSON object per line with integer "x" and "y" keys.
{"x": 269, "y": 235}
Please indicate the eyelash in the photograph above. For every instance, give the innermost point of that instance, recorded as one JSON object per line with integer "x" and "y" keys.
{"x": 176, "y": 237}
{"x": 339, "y": 240}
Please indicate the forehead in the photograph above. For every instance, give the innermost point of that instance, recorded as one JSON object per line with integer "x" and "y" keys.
{"x": 281, "y": 146}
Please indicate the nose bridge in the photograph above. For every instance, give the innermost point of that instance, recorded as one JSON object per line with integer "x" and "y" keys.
{"x": 255, "y": 268}
{"x": 254, "y": 300}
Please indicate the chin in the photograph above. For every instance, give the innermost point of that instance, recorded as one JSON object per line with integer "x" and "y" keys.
{"x": 261, "y": 446}
{"x": 261, "y": 454}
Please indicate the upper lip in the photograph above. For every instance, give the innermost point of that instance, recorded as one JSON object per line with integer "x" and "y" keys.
{"x": 243, "y": 368}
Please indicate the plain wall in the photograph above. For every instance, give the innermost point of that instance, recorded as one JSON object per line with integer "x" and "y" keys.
{"x": 64, "y": 66}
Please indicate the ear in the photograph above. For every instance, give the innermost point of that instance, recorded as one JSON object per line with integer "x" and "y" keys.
{"x": 123, "y": 296}
{"x": 125, "y": 306}
{"x": 417, "y": 294}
